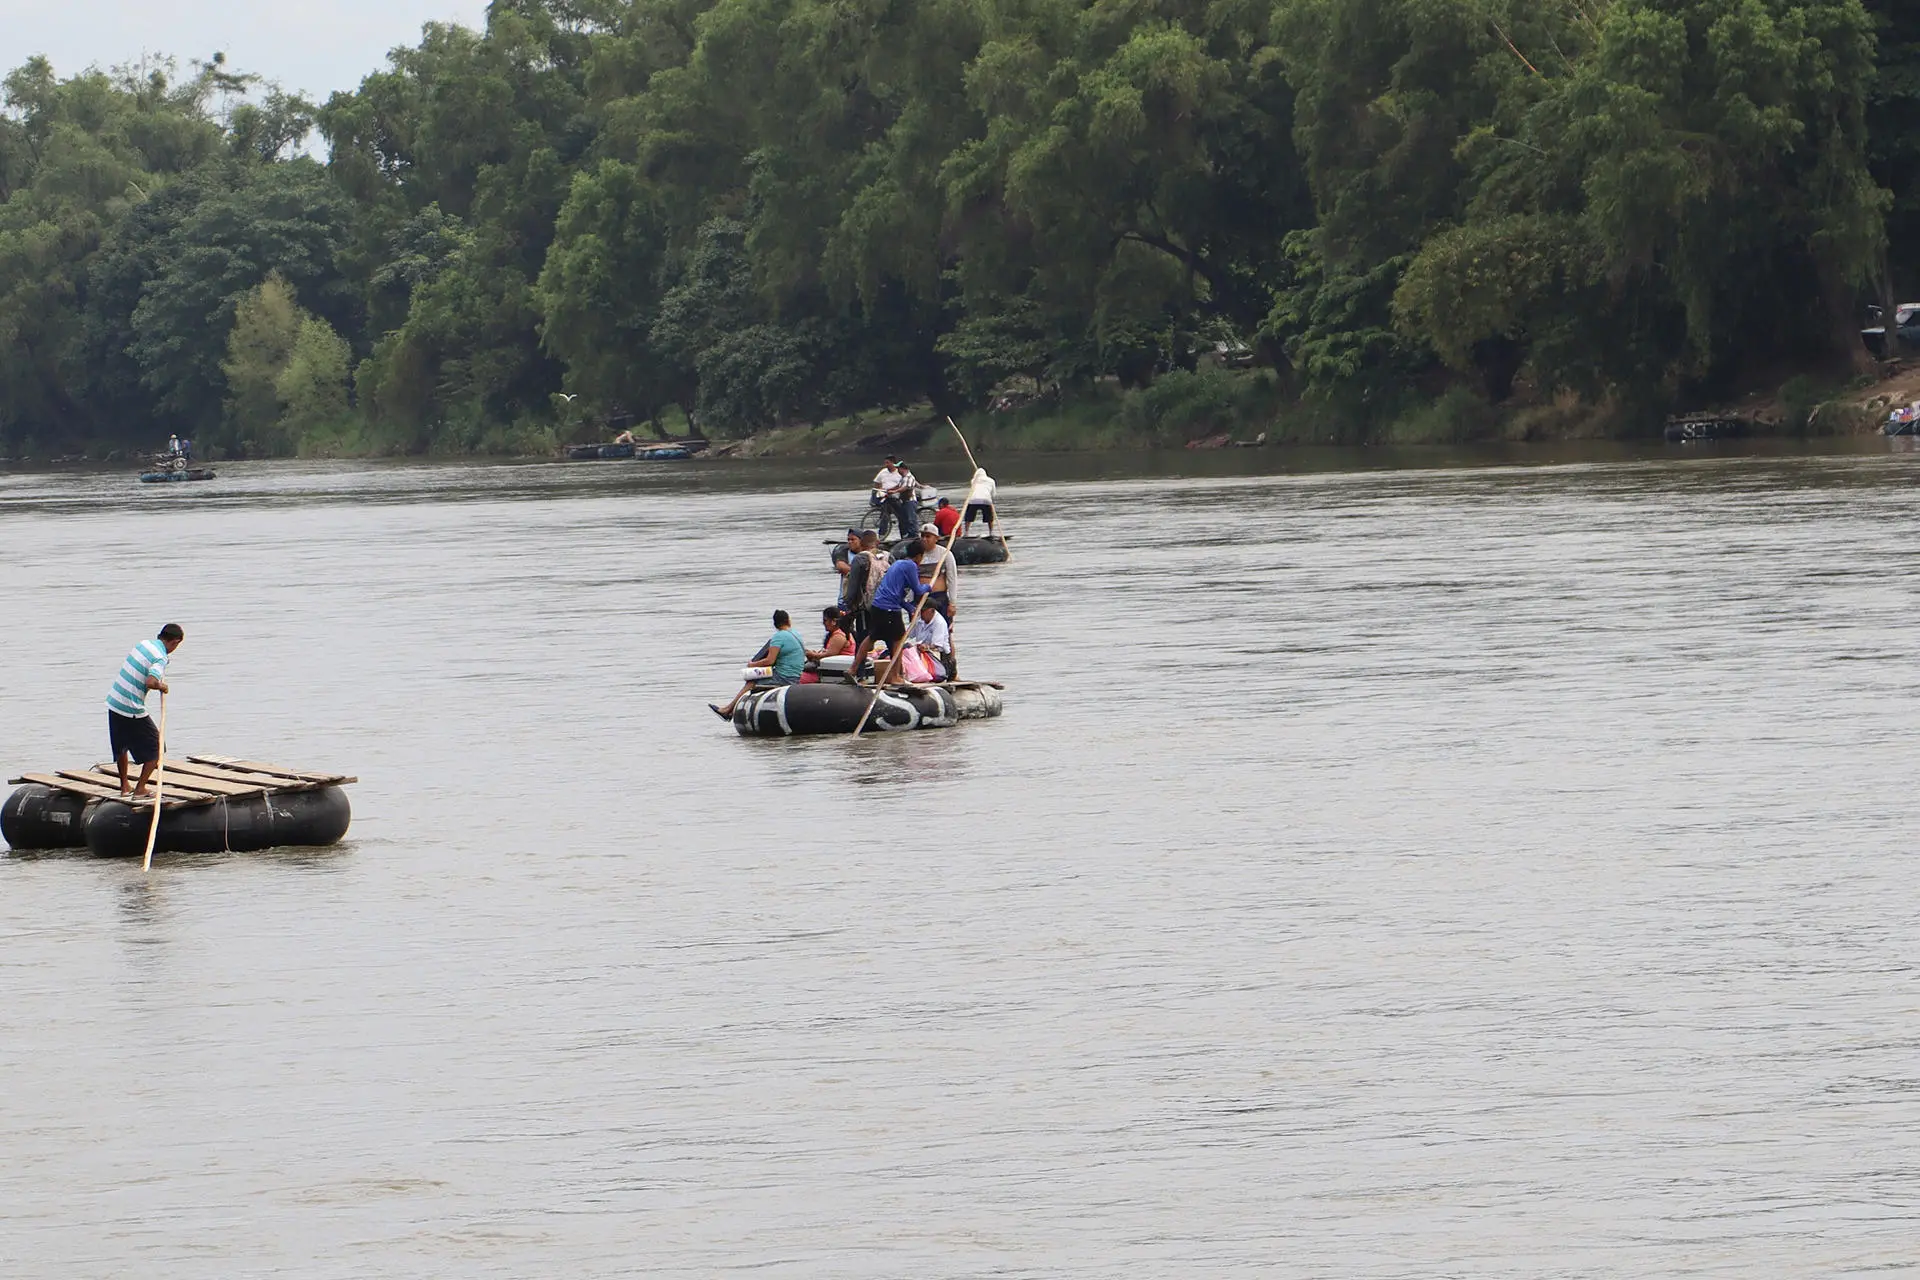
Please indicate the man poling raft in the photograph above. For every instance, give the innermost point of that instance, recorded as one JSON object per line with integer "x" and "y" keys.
{"x": 185, "y": 804}
{"x": 130, "y": 731}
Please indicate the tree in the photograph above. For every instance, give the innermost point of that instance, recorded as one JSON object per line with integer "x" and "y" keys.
{"x": 266, "y": 324}
{"x": 313, "y": 385}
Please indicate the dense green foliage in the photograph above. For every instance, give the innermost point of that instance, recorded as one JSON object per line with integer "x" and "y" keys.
{"x": 775, "y": 211}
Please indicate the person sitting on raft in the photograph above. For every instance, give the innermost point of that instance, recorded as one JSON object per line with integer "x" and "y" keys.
{"x": 899, "y": 589}
{"x": 836, "y": 644}
{"x": 941, "y": 575}
{"x": 945, "y": 518}
{"x": 930, "y": 634}
{"x": 783, "y": 654}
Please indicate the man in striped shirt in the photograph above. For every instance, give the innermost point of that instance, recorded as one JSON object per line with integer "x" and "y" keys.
{"x": 128, "y": 728}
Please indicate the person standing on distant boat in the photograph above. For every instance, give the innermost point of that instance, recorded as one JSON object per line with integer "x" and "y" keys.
{"x": 980, "y": 500}
{"x": 906, "y": 503}
{"x": 783, "y": 653}
{"x": 130, "y": 731}
{"x": 885, "y": 482}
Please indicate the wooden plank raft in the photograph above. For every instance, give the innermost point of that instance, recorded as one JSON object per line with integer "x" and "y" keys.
{"x": 189, "y": 780}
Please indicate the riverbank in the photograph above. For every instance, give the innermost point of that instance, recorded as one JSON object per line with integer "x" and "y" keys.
{"x": 1219, "y": 409}
{"x": 1212, "y": 408}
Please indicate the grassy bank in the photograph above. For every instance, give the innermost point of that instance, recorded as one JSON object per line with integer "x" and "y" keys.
{"x": 1211, "y": 407}
{"x": 1218, "y": 407}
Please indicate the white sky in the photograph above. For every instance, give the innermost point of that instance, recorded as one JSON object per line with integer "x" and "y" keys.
{"x": 310, "y": 46}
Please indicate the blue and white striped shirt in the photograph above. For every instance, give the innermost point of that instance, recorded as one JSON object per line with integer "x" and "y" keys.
{"x": 128, "y": 697}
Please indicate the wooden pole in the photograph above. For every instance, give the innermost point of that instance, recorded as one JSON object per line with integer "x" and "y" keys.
{"x": 159, "y": 785}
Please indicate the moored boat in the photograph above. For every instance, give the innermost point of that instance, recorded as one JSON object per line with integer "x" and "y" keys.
{"x": 663, "y": 451}
{"x": 185, "y": 473}
{"x": 599, "y": 452}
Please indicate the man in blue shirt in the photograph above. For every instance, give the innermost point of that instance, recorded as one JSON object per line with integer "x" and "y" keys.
{"x": 783, "y": 651}
{"x": 130, "y": 731}
{"x": 899, "y": 589}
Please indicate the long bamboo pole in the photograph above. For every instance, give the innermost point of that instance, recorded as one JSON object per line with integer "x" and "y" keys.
{"x": 159, "y": 786}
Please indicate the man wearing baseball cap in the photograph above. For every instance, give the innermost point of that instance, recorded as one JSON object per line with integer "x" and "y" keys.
{"x": 844, "y": 552}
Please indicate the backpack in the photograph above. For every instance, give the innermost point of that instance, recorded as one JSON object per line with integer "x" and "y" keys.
{"x": 877, "y": 562}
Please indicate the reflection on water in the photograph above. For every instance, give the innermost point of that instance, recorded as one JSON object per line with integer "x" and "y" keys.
{"x": 1380, "y": 870}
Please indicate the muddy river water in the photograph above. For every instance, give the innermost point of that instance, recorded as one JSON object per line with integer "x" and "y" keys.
{"x": 1382, "y": 869}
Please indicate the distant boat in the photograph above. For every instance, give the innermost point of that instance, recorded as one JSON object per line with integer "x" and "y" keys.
{"x": 627, "y": 449}
{"x": 187, "y": 473}
{"x": 599, "y": 452}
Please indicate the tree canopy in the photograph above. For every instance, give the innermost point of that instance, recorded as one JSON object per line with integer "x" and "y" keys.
{"x": 776, "y": 211}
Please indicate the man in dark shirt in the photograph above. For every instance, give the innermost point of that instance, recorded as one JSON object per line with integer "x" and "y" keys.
{"x": 853, "y": 587}
{"x": 843, "y": 553}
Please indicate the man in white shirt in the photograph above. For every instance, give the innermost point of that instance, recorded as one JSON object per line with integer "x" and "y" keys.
{"x": 886, "y": 483}
{"x": 929, "y": 631}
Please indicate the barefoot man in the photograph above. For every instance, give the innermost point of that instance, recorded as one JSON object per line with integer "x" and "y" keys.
{"x": 128, "y": 728}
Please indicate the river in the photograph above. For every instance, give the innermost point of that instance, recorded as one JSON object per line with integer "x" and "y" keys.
{"x": 1382, "y": 869}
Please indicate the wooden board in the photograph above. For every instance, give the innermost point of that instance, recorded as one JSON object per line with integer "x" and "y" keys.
{"x": 185, "y": 792}
{"x": 93, "y": 787}
{"x": 273, "y": 770}
{"x": 212, "y": 776}
{"x": 192, "y": 780}
{"x": 186, "y": 777}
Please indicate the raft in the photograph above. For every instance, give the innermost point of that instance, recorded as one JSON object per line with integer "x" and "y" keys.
{"x": 834, "y": 706}
{"x": 644, "y": 452}
{"x": 162, "y": 477}
{"x": 598, "y": 452}
{"x": 965, "y": 550}
{"x": 209, "y": 804}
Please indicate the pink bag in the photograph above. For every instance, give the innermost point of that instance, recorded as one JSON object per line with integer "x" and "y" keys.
{"x": 916, "y": 666}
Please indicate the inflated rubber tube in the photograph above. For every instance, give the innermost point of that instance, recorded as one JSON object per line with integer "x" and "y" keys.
{"x": 966, "y": 551}
{"x": 244, "y": 825}
{"x": 37, "y": 817}
{"x": 832, "y": 707}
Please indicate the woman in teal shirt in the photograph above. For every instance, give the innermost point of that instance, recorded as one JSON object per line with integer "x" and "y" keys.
{"x": 783, "y": 651}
